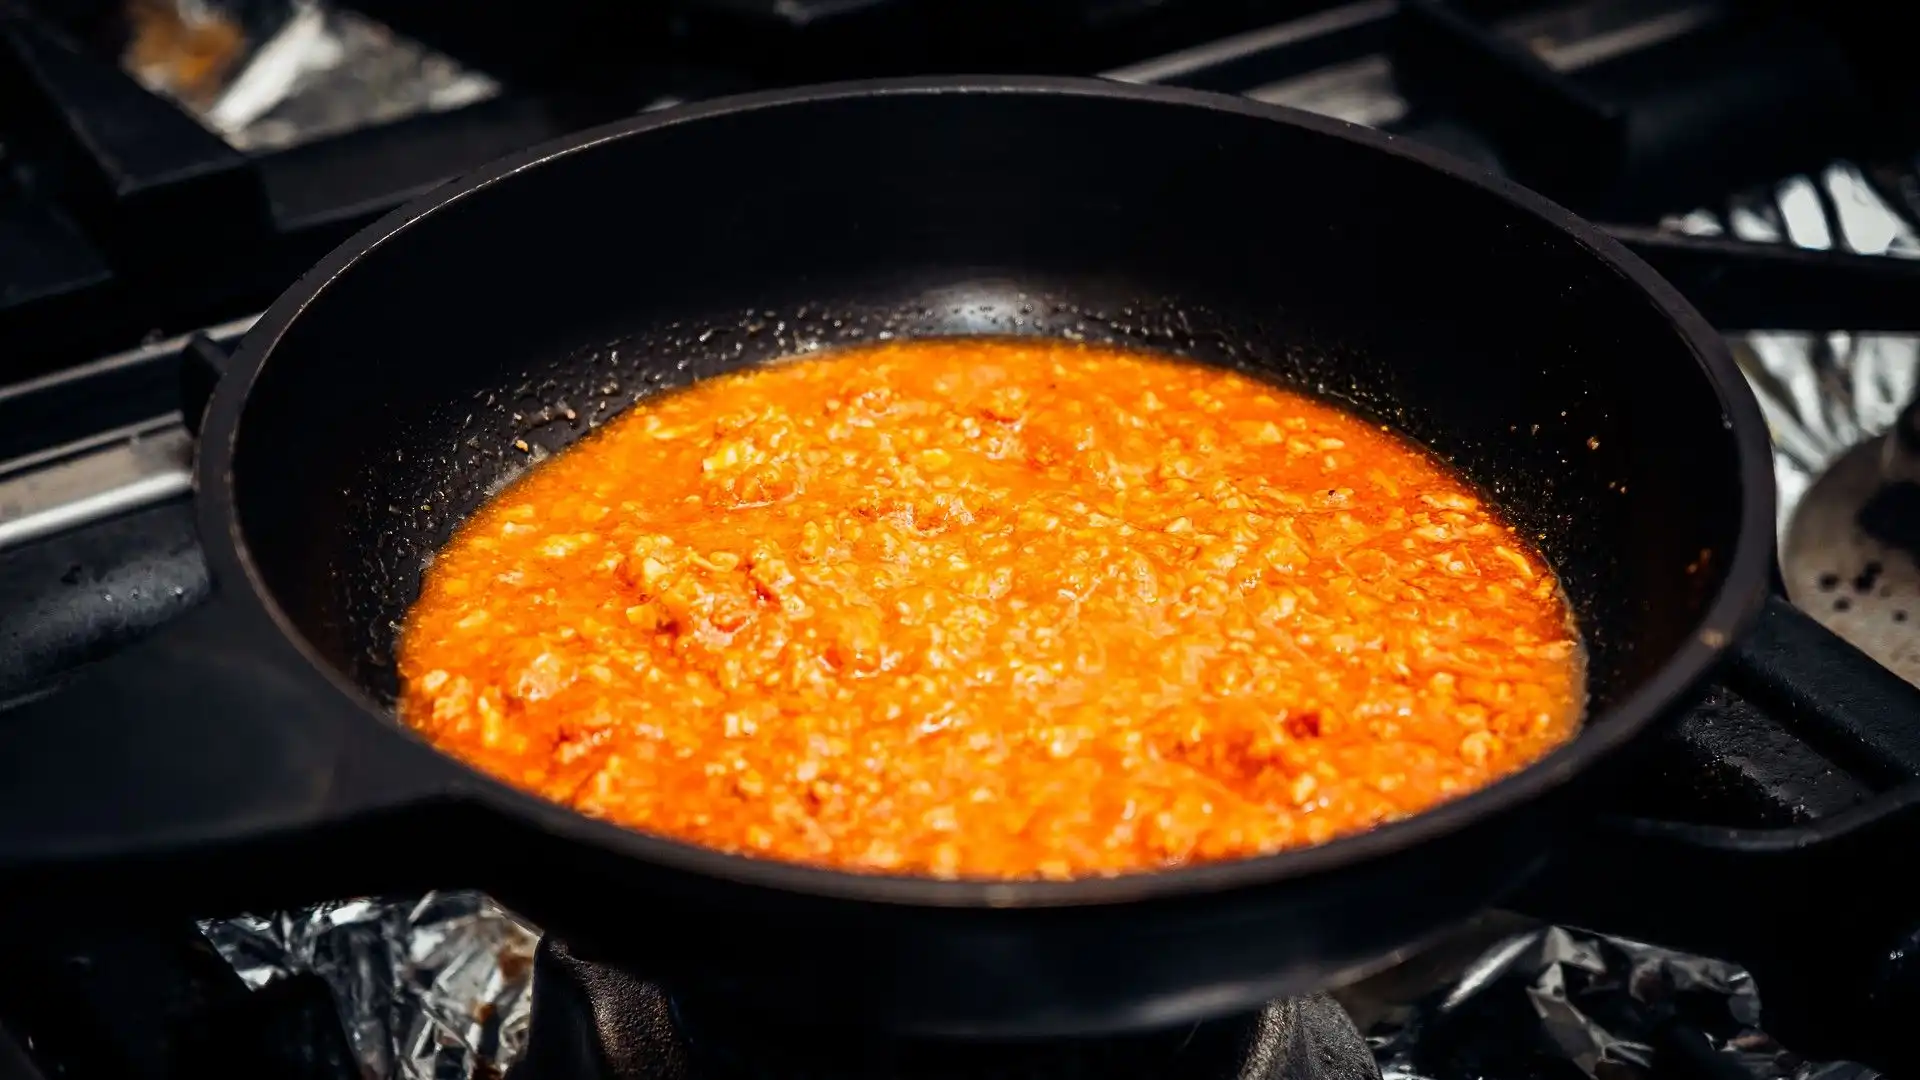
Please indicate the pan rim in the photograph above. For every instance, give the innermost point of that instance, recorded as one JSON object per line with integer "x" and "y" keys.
{"x": 1728, "y": 615}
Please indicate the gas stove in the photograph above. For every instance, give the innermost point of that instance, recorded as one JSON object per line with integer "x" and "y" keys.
{"x": 167, "y": 167}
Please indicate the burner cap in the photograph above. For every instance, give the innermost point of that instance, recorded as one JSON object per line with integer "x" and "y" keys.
{"x": 593, "y": 1021}
{"x": 1851, "y": 554}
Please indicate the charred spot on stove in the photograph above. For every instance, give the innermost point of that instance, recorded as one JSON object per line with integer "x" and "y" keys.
{"x": 1867, "y": 578}
{"x": 1899, "y": 616}
{"x": 1829, "y": 582}
{"x": 1892, "y": 516}
{"x": 1842, "y": 604}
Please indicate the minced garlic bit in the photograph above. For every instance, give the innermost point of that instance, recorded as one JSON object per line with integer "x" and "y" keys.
{"x": 992, "y": 608}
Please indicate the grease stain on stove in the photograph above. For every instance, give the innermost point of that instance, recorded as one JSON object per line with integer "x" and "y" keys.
{"x": 1892, "y": 516}
{"x": 1869, "y": 575}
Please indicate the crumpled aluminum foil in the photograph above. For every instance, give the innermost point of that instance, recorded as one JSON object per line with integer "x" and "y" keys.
{"x": 1822, "y": 393}
{"x": 267, "y": 74}
{"x": 437, "y": 988}
{"x": 440, "y": 989}
{"x": 1549, "y": 1001}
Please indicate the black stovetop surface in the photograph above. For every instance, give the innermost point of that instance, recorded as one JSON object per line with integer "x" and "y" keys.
{"x": 129, "y": 233}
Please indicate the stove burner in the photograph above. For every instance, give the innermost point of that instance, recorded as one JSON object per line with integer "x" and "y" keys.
{"x": 1850, "y": 558}
{"x": 595, "y": 1021}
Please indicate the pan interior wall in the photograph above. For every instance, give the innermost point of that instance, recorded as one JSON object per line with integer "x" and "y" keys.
{"x": 537, "y": 307}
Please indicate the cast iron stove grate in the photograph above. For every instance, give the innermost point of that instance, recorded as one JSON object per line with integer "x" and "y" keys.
{"x": 591, "y": 1020}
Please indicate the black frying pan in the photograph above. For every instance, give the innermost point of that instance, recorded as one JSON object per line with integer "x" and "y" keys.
{"x": 248, "y": 756}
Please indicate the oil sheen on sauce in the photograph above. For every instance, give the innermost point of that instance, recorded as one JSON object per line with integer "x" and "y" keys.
{"x": 992, "y": 608}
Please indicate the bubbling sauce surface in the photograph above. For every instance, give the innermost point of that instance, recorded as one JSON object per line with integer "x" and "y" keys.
{"x": 992, "y": 608}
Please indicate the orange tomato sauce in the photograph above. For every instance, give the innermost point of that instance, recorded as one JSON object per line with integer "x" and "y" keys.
{"x": 992, "y": 608}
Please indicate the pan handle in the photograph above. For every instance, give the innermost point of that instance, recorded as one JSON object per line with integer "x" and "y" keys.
{"x": 212, "y": 767}
{"x": 1810, "y": 909}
